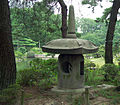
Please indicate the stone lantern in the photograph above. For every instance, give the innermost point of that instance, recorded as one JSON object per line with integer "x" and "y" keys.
{"x": 70, "y": 60}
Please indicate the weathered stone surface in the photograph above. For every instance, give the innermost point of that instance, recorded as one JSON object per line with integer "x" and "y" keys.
{"x": 70, "y": 46}
{"x": 71, "y": 71}
{"x": 71, "y": 23}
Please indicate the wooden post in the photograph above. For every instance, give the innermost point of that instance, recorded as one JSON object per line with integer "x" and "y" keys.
{"x": 22, "y": 97}
{"x": 87, "y": 95}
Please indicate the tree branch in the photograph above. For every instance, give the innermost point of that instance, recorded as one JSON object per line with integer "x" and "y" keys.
{"x": 64, "y": 18}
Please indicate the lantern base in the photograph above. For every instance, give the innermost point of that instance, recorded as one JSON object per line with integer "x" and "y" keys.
{"x": 56, "y": 89}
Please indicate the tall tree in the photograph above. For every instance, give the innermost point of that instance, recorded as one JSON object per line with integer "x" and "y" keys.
{"x": 110, "y": 32}
{"x": 7, "y": 58}
{"x": 64, "y": 18}
{"x": 111, "y": 26}
{"x": 38, "y": 23}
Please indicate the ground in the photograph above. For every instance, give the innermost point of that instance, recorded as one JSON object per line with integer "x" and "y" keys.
{"x": 34, "y": 96}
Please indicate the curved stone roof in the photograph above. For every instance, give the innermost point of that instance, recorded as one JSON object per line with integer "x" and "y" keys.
{"x": 70, "y": 46}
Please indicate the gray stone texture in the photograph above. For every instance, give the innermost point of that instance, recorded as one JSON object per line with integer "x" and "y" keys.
{"x": 70, "y": 73}
{"x": 70, "y": 46}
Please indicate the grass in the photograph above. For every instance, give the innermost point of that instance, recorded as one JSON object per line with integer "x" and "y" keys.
{"x": 101, "y": 61}
{"x": 94, "y": 77}
{"x": 23, "y": 64}
{"x": 98, "y": 61}
{"x": 111, "y": 94}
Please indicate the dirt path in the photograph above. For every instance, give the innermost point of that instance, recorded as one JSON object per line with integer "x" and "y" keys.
{"x": 33, "y": 96}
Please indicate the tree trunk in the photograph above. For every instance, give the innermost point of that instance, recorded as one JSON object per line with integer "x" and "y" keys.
{"x": 64, "y": 18}
{"x": 110, "y": 32}
{"x": 7, "y": 58}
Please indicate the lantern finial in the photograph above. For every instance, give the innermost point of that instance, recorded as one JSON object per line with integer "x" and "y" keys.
{"x": 71, "y": 23}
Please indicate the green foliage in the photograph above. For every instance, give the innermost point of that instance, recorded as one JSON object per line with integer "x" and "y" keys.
{"x": 106, "y": 13}
{"x": 78, "y": 101}
{"x": 41, "y": 73}
{"x": 117, "y": 80}
{"x": 47, "y": 65}
{"x": 95, "y": 31}
{"x": 89, "y": 63}
{"x": 91, "y": 30}
{"x": 24, "y": 42}
{"x": 26, "y": 77}
{"x": 111, "y": 71}
{"x": 10, "y": 95}
{"x": 30, "y": 54}
{"x": 44, "y": 84}
{"x": 118, "y": 58}
{"x": 91, "y": 2}
{"x": 116, "y": 49}
{"x": 23, "y": 64}
{"x": 36, "y": 50}
{"x": 50, "y": 54}
{"x": 22, "y": 49}
{"x": 101, "y": 51}
{"x": 111, "y": 94}
{"x": 86, "y": 25}
{"x": 18, "y": 54}
{"x": 93, "y": 77}
{"x": 37, "y": 24}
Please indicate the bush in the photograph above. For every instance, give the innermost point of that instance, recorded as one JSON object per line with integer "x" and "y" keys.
{"x": 93, "y": 75}
{"x": 44, "y": 84}
{"x": 18, "y": 54}
{"x": 30, "y": 54}
{"x": 36, "y": 50}
{"x": 118, "y": 58}
{"x": 110, "y": 70}
{"x": 26, "y": 77}
{"x": 10, "y": 95}
{"x": 22, "y": 49}
{"x": 47, "y": 69}
{"x": 78, "y": 101}
{"x": 89, "y": 64}
{"x": 50, "y": 54}
{"x": 41, "y": 73}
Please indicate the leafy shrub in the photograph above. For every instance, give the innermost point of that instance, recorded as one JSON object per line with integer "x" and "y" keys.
{"x": 30, "y": 54}
{"x": 18, "y": 54}
{"x": 78, "y": 101}
{"x": 10, "y": 95}
{"x": 36, "y": 50}
{"x": 118, "y": 58}
{"x": 44, "y": 84}
{"x": 89, "y": 63}
{"x": 41, "y": 73}
{"x": 50, "y": 54}
{"x": 93, "y": 77}
{"x": 45, "y": 66}
{"x": 22, "y": 49}
{"x": 47, "y": 69}
{"x": 26, "y": 77}
{"x": 117, "y": 80}
{"x": 110, "y": 70}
